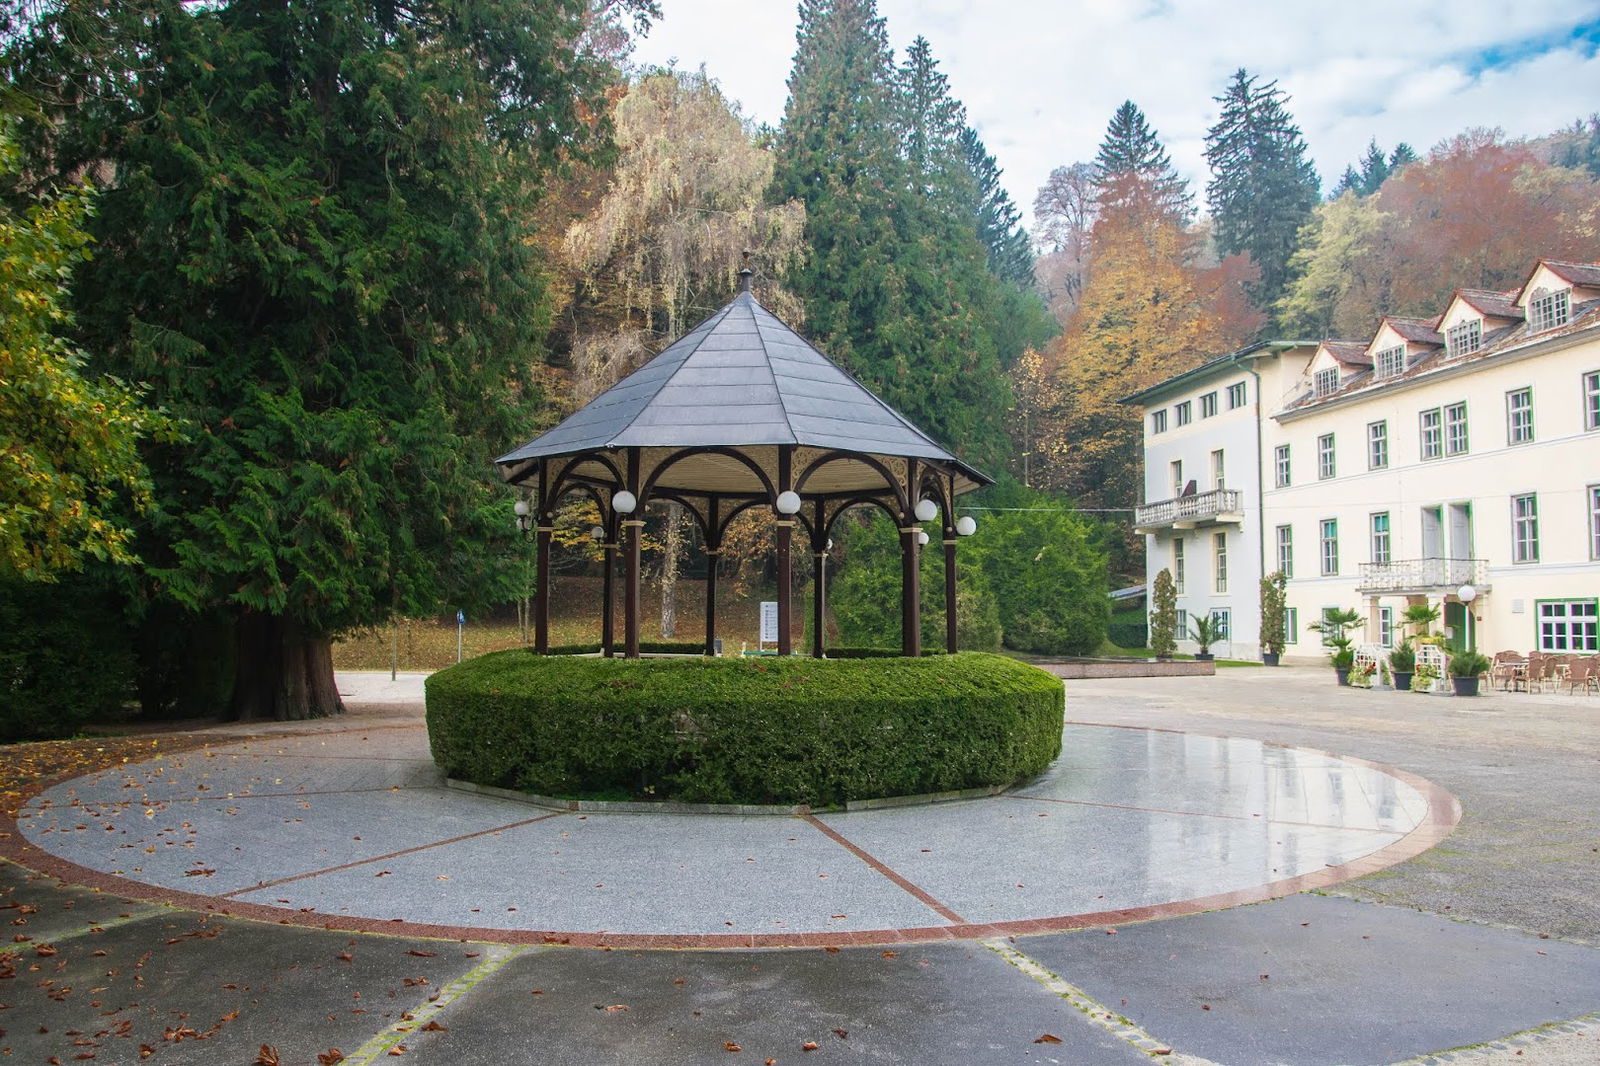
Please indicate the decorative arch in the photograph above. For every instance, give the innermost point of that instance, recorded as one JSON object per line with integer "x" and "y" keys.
{"x": 890, "y": 481}
{"x": 688, "y": 453}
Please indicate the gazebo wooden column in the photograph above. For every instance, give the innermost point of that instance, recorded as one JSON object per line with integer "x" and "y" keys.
{"x": 819, "y": 580}
{"x": 634, "y": 529}
{"x": 785, "y": 526}
{"x": 541, "y": 563}
{"x": 541, "y": 601}
{"x": 910, "y": 583}
{"x": 713, "y": 552}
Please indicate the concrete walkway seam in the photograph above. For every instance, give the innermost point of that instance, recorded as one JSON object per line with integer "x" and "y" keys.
{"x": 1109, "y": 1020}
{"x": 1586, "y": 1025}
{"x": 430, "y": 1008}
{"x": 1482, "y": 923}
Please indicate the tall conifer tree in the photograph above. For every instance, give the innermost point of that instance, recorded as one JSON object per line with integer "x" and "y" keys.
{"x": 999, "y": 221}
{"x": 1132, "y": 165}
{"x": 314, "y": 247}
{"x": 896, "y": 285}
{"x": 1263, "y": 186}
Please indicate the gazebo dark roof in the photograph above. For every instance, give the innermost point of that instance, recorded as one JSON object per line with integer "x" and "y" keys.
{"x": 740, "y": 378}
{"x": 741, "y": 412}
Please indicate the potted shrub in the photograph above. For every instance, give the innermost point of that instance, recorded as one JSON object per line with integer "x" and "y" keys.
{"x": 1273, "y": 634}
{"x": 1403, "y": 661}
{"x": 1203, "y": 628}
{"x": 1335, "y": 628}
{"x": 1361, "y": 676}
{"x": 1465, "y": 668}
{"x": 1420, "y": 616}
{"x": 1164, "y": 616}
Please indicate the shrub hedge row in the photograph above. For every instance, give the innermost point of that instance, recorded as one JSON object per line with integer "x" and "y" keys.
{"x": 743, "y": 730}
{"x": 648, "y": 647}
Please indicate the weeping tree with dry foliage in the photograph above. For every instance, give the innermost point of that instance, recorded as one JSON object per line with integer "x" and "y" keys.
{"x": 664, "y": 246}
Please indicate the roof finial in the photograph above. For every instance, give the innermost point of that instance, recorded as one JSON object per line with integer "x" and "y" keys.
{"x": 746, "y": 273}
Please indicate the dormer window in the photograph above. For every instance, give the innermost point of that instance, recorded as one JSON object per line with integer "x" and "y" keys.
{"x": 1464, "y": 337}
{"x": 1547, "y": 310}
{"x": 1391, "y": 362}
{"x": 1326, "y": 382}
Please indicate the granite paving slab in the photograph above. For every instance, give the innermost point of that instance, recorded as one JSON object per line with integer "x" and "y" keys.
{"x": 1318, "y": 981}
{"x": 919, "y": 1004}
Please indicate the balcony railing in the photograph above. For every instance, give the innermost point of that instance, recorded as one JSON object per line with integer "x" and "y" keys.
{"x": 1187, "y": 512}
{"x": 1424, "y": 575}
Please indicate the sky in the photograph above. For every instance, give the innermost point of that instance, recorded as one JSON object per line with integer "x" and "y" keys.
{"x": 1041, "y": 78}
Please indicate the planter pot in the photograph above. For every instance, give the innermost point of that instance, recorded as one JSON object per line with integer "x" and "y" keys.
{"x": 1402, "y": 681}
{"x": 1342, "y": 673}
{"x": 1465, "y": 686}
{"x": 1269, "y": 658}
{"x": 1203, "y": 656}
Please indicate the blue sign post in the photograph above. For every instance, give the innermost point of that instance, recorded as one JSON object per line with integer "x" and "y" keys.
{"x": 461, "y": 622}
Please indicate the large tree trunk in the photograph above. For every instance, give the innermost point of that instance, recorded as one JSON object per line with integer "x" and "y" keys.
{"x": 283, "y": 671}
{"x": 669, "y": 571}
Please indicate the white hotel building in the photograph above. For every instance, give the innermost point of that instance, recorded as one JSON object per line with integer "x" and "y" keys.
{"x": 1462, "y": 450}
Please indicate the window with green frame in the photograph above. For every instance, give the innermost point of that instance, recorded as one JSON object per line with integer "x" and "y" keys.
{"x": 1568, "y": 625}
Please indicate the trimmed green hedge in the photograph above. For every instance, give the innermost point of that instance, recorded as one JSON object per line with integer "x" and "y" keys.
{"x": 743, "y": 730}
{"x": 647, "y": 647}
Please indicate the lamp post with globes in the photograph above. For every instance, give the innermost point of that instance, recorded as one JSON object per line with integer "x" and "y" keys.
{"x": 1466, "y": 594}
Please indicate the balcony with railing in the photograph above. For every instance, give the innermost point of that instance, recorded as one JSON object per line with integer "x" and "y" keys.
{"x": 1217, "y": 507}
{"x": 1433, "y": 574}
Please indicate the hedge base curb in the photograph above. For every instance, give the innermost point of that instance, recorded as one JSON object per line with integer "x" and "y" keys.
{"x": 556, "y": 803}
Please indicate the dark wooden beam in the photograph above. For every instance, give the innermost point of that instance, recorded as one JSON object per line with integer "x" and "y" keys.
{"x": 545, "y": 519}
{"x": 785, "y": 569}
{"x": 713, "y": 552}
{"x": 633, "y": 527}
{"x": 910, "y": 582}
{"x": 819, "y": 580}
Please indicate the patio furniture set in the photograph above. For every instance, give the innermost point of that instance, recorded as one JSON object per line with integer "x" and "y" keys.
{"x": 1532, "y": 671}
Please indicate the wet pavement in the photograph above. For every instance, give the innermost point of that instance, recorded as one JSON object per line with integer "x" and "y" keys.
{"x": 1094, "y": 916}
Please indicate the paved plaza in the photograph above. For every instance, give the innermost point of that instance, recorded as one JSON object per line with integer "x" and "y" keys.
{"x": 1249, "y": 868}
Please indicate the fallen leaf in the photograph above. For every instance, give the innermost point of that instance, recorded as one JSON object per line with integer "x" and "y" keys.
{"x": 434, "y": 1027}
{"x": 267, "y": 1056}
{"x": 1047, "y": 1038}
{"x": 422, "y": 954}
{"x": 345, "y": 956}
{"x": 891, "y": 954}
{"x": 329, "y": 1057}
{"x": 398, "y": 1049}
{"x": 729, "y": 1045}
{"x": 616, "y": 1007}
{"x": 809, "y": 1045}
{"x": 841, "y": 1033}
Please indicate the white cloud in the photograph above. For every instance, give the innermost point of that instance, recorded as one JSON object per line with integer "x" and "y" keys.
{"x": 1040, "y": 79}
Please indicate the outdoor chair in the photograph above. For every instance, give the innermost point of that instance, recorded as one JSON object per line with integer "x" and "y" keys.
{"x": 1584, "y": 673}
{"x": 1536, "y": 671}
{"x": 1509, "y": 670}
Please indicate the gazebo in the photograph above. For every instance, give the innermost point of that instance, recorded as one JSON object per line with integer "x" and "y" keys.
{"x": 741, "y": 412}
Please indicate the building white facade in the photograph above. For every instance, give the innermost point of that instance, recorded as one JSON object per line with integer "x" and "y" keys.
{"x": 1449, "y": 456}
{"x": 1203, "y": 437}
